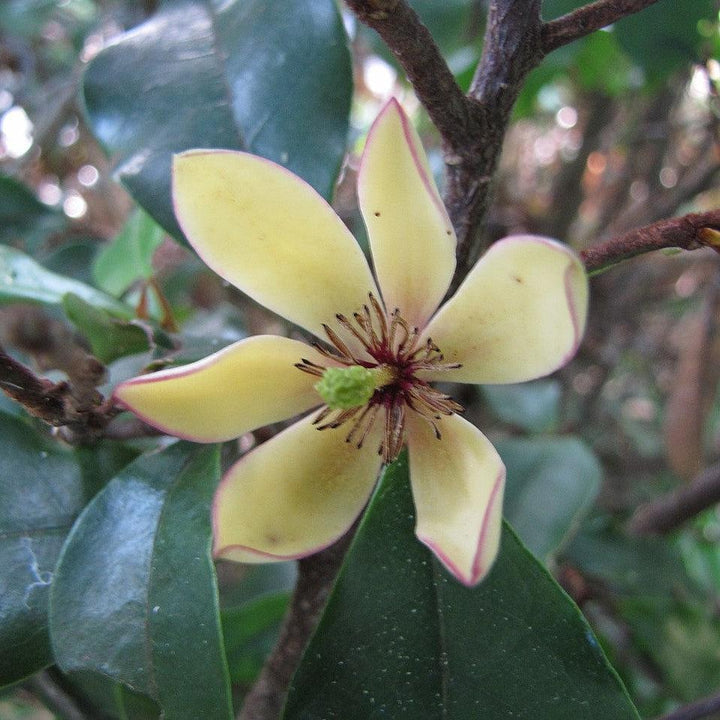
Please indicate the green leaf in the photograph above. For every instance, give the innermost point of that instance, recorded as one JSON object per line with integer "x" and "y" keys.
{"x": 250, "y": 631}
{"x": 42, "y": 490}
{"x": 211, "y": 74}
{"x": 531, "y": 406}
{"x": 683, "y": 639}
{"x": 109, "y": 337}
{"x": 551, "y": 485}
{"x": 129, "y": 256}
{"x": 401, "y": 638}
{"x": 22, "y": 214}
{"x": 111, "y": 699}
{"x": 629, "y": 565}
{"x": 135, "y": 596}
{"x": 24, "y": 280}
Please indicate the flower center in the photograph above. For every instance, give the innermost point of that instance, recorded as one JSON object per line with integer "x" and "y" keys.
{"x": 380, "y": 375}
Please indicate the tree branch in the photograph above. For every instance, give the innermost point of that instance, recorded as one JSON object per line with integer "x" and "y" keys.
{"x": 688, "y": 232}
{"x": 58, "y": 404}
{"x": 415, "y": 49}
{"x": 49, "y": 688}
{"x": 672, "y": 510}
{"x": 316, "y": 575}
{"x": 700, "y": 709}
{"x": 587, "y": 19}
{"x": 473, "y": 126}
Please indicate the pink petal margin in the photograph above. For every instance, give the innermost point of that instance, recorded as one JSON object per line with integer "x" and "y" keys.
{"x": 409, "y": 139}
{"x": 478, "y": 570}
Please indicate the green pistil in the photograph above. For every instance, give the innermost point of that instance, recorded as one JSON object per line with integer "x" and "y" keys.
{"x": 345, "y": 388}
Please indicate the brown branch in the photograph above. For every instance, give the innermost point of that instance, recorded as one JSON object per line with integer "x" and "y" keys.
{"x": 473, "y": 127}
{"x": 511, "y": 49}
{"x": 587, "y": 19}
{"x": 49, "y": 687}
{"x": 57, "y": 404}
{"x": 415, "y": 49}
{"x": 670, "y": 511}
{"x": 316, "y": 575}
{"x": 701, "y": 709}
{"x": 688, "y": 232}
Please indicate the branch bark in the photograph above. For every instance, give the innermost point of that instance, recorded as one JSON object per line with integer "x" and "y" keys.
{"x": 587, "y": 19}
{"x": 316, "y": 575}
{"x": 701, "y": 709}
{"x": 58, "y": 404}
{"x": 670, "y": 511}
{"x": 688, "y": 232}
{"x": 473, "y": 126}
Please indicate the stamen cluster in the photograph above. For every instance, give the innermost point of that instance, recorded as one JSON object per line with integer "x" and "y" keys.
{"x": 392, "y": 348}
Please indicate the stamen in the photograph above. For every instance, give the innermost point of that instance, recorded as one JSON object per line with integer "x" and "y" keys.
{"x": 377, "y": 370}
{"x": 370, "y": 412}
{"x": 330, "y": 355}
{"x": 352, "y": 329}
{"x": 310, "y": 367}
{"x": 324, "y": 412}
{"x": 382, "y": 320}
{"x": 336, "y": 341}
{"x": 394, "y": 430}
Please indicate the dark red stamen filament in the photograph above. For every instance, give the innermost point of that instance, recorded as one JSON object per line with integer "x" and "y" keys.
{"x": 389, "y": 343}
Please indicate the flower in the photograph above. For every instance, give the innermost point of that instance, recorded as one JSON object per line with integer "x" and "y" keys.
{"x": 519, "y": 314}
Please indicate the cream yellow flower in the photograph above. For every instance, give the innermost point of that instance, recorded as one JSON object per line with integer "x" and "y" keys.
{"x": 519, "y": 314}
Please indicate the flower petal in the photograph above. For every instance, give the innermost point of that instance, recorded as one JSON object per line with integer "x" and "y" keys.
{"x": 411, "y": 236}
{"x": 242, "y": 387}
{"x": 520, "y": 314}
{"x": 457, "y": 485}
{"x": 293, "y": 495}
{"x": 270, "y": 234}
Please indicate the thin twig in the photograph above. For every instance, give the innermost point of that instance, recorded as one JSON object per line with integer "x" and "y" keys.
{"x": 672, "y": 510}
{"x": 688, "y": 232}
{"x": 587, "y": 19}
{"x": 700, "y": 709}
{"x": 53, "y": 694}
{"x": 316, "y": 575}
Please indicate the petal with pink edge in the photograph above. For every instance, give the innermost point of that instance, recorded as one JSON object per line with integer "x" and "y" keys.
{"x": 519, "y": 314}
{"x": 457, "y": 484}
{"x": 293, "y": 495}
{"x": 242, "y": 387}
{"x": 411, "y": 237}
{"x": 270, "y": 234}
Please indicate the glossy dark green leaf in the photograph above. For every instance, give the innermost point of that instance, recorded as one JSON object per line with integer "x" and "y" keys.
{"x": 401, "y": 638}
{"x": 129, "y": 256}
{"x": 135, "y": 596}
{"x": 42, "y": 490}
{"x": 551, "y": 486}
{"x": 271, "y": 78}
{"x": 24, "y": 280}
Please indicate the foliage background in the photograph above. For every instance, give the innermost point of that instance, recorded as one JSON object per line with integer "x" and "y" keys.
{"x": 614, "y": 131}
